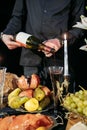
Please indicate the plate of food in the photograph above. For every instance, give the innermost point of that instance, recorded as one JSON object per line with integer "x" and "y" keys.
{"x": 30, "y": 96}
{"x": 28, "y": 121}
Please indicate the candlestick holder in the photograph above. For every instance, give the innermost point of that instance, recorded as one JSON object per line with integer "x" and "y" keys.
{"x": 66, "y": 84}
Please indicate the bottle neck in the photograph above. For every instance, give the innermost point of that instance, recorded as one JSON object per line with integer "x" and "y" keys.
{"x": 46, "y": 48}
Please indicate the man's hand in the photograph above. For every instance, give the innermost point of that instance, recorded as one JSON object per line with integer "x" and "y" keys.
{"x": 52, "y": 43}
{"x": 9, "y": 41}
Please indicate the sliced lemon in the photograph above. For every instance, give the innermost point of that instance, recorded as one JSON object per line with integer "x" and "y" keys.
{"x": 31, "y": 105}
{"x": 42, "y": 128}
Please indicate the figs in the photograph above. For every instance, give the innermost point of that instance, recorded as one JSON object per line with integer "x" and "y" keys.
{"x": 35, "y": 81}
{"x": 28, "y": 93}
{"x": 26, "y": 83}
{"x": 23, "y": 83}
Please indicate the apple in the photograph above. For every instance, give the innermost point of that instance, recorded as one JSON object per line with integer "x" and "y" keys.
{"x": 35, "y": 81}
{"x": 46, "y": 90}
{"x": 28, "y": 93}
{"x": 23, "y": 83}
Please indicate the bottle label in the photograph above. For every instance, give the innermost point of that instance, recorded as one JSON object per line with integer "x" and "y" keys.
{"x": 22, "y": 37}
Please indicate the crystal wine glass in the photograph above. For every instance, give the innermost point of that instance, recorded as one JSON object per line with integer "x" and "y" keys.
{"x": 56, "y": 75}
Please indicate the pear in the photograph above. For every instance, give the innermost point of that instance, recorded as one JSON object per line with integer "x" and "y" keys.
{"x": 39, "y": 94}
{"x": 31, "y": 105}
{"x": 16, "y": 101}
{"x": 14, "y": 93}
{"x": 44, "y": 103}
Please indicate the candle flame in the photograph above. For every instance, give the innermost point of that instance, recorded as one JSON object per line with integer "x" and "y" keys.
{"x": 65, "y": 36}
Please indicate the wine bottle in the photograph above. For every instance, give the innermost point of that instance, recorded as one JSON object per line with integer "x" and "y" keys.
{"x": 29, "y": 41}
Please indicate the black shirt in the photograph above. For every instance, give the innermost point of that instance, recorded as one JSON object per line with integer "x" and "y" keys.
{"x": 44, "y": 19}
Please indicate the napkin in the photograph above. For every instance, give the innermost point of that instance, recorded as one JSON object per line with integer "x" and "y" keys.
{"x": 79, "y": 126}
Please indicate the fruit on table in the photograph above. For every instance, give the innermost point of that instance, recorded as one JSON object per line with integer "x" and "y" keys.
{"x": 35, "y": 81}
{"x": 28, "y": 93}
{"x": 30, "y": 88}
{"x": 23, "y": 83}
{"x": 45, "y": 102}
{"x": 26, "y": 83}
{"x": 42, "y": 128}
{"x": 31, "y": 105}
{"x": 16, "y": 101}
{"x": 19, "y": 97}
{"x": 14, "y": 93}
{"x": 76, "y": 102}
{"x": 39, "y": 94}
{"x": 46, "y": 90}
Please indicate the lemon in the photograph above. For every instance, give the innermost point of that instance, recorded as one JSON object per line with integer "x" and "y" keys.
{"x": 31, "y": 105}
{"x": 41, "y": 128}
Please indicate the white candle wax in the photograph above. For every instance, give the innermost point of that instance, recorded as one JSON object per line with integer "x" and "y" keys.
{"x": 65, "y": 56}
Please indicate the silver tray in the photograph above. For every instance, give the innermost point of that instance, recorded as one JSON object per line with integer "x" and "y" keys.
{"x": 55, "y": 123}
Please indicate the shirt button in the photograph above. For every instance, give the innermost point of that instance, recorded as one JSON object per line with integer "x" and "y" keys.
{"x": 45, "y": 11}
{"x": 43, "y": 23}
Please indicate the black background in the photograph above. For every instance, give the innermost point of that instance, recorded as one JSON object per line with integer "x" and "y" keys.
{"x": 12, "y": 56}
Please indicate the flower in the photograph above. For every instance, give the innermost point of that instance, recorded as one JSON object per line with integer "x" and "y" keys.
{"x": 82, "y": 24}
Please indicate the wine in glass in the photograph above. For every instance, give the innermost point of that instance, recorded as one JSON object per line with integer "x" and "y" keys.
{"x": 56, "y": 75}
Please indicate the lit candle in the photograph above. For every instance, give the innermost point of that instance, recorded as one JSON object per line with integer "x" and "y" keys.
{"x": 65, "y": 56}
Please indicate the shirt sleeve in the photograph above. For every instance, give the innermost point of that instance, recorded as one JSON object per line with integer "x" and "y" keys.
{"x": 16, "y": 21}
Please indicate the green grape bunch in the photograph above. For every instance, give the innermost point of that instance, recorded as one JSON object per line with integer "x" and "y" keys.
{"x": 76, "y": 102}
